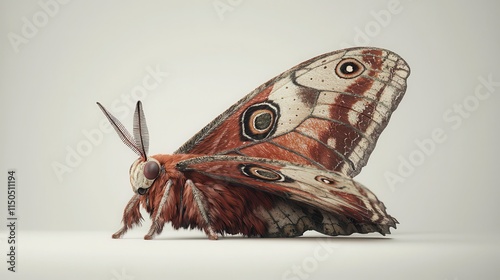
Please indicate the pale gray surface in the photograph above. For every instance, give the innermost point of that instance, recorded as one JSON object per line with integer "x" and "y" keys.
{"x": 189, "y": 255}
{"x": 105, "y": 51}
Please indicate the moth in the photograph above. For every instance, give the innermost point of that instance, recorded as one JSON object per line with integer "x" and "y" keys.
{"x": 279, "y": 162}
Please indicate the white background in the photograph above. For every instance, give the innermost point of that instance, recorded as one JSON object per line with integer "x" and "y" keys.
{"x": 59, "y": 58}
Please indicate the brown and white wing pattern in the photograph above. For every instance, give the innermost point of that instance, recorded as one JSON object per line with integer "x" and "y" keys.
{"x": 327, "y": 112}
{"x": 290, "y": 219}
{"x": 344, "y": 205}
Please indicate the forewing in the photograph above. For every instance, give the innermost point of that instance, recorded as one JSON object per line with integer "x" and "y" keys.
{"x": 327, "y": 112}
{"x": 329, "y": 191}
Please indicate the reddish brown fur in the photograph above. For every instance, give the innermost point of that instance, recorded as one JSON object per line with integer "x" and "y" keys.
{"x": 231, "y": 209}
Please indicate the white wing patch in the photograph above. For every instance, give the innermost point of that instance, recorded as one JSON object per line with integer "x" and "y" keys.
{"x": 292, "y": 111}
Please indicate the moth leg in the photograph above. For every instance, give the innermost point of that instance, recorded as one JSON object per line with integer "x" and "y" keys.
{"x": 131, "y": 216}
{"x": 157, "y": 225}
{"x": 198, "y": 198}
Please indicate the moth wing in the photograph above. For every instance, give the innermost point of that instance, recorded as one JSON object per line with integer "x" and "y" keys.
{"x": 326, "y": 112}
{"x": 330, "y": 191}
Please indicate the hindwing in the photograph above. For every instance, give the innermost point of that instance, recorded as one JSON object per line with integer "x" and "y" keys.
{"x": 332, "y": 192}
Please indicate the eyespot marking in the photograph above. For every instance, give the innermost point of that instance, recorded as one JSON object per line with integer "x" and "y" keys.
{"x": 349, "y": 68}
{"x": 325, "y": 180}
{"x": 261, "y": 173}
{"x": 259, "y": 121}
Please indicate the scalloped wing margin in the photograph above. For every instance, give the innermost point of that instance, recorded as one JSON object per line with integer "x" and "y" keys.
{"x": 314, "y": 117}
{"x": 332, "y": 192}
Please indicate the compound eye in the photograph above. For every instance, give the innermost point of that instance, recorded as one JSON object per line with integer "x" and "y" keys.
{"x": 151, "y": 170}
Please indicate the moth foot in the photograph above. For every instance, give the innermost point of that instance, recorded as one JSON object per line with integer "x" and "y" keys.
{"x": 211, "y": 234}
{"x": 213, "y": 237}
{"x": 119, "y": 233}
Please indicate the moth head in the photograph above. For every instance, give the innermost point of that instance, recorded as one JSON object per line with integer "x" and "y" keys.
{"x": 143, "y": 174}
{"x": 144, "y": 170}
